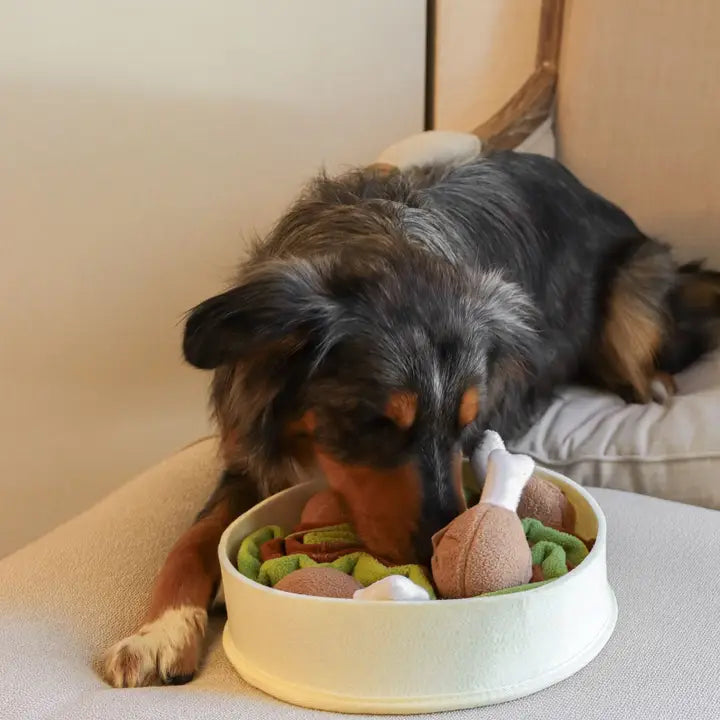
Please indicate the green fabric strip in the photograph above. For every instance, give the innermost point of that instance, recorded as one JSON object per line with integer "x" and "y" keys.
{"x": 362, "y": 566}
{"x": 552, "y": 549}
{"x": 334, "y": 533}
{"x": 575, "y": 549}
{"x": 517, "y": 588}
{"x": 248, "y": 559}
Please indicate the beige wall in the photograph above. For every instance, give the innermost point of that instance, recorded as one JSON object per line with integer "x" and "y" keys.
{"x": 485, "y": 49}
{"x": 140, "y": 142}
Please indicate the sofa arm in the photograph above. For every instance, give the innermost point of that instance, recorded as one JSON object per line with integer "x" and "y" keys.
{"x": 68, "y": 595}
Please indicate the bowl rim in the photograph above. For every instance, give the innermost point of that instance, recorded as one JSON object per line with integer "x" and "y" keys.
{"x": 554, "y": 586}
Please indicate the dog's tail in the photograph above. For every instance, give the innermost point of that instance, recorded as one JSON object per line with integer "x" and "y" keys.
{"x": 694, "y": 322}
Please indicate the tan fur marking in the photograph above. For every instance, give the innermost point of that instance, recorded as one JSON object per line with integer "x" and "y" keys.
{"x": 384, "y": 504}
{"x": 304, "y": 426}
{"x": 636, "y": 322}
{"x": 469, "y": 406}
{"x": 631, "y": 340}
{"x": 299, "y": 442}
{"x": 228, "y": 446}
{"x": 401, "y": 408}
{"x": 191, "y": 570}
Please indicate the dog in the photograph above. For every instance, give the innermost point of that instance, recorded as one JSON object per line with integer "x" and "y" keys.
{"x": 388, "y": 319}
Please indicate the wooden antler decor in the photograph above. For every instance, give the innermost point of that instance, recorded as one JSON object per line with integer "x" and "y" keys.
{"x": 532, "y": 103}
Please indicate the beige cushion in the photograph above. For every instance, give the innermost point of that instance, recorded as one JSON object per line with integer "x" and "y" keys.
{"x": 69, "y": 594}
{"x": 638, "y": 116}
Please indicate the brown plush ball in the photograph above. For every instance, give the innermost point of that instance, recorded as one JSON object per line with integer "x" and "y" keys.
{"x": 325, "y": 508}
{"x": 546, "y": 502}
{"x": 321, "y": 581}
{"x": 482, "y": 550}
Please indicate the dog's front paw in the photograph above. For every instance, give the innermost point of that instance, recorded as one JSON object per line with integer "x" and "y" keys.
{"x": 166, "y": 650}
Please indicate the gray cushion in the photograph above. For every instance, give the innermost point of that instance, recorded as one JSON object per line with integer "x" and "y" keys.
{"x": 67, "y": 596}
{"x": 670, "y": 451}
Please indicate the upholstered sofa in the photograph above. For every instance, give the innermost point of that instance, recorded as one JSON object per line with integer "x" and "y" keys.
{"x": 635, "y": 112}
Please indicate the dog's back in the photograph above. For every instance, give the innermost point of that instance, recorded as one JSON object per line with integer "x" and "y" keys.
{"x": 612, "y": 305}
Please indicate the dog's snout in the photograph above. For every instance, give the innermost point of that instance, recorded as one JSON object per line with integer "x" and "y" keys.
{"x": 431, "y": 523}
{"x": 397, "y": 510}
{"x": 442, "y": 498}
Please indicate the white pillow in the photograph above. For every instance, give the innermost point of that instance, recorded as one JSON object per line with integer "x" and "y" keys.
{"x": 670, "y": 451}
{"x": 431, "y": 146}
{"x": 450, "y": 146}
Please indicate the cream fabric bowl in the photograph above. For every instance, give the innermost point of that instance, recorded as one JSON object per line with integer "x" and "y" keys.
{"x": 413, "y": 657}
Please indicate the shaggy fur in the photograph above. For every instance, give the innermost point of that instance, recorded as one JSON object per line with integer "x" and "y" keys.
{"x": 505, "y": 273}
{"x": 390, "y": 318}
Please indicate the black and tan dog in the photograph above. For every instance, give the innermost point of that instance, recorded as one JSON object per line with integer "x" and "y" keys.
{"x": 387, "y": 320}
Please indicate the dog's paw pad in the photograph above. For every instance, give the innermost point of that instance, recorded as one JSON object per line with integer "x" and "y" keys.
{"x": 166, "y": 650}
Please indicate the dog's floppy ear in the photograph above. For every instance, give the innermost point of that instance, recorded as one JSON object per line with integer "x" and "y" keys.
{"x": 278, "y": 300}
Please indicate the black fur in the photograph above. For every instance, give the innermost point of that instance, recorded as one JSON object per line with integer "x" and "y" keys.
{"x": 492, "y": 274}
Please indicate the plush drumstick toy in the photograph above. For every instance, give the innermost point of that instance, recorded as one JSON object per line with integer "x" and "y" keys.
{"x": 485, "y": 549}
{"x": 540, "y": 499}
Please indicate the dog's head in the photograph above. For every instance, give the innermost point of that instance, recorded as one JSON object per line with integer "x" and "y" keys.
{"x": 379, "y": 363}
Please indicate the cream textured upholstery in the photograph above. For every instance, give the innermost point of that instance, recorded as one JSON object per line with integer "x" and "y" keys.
{"x": 66, "y": 596}
{"x": 639, "y": 111}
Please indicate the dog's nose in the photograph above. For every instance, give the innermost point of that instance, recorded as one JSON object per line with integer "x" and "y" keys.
{"x": 422, "y": 545}
{"x": 431, "y": 523}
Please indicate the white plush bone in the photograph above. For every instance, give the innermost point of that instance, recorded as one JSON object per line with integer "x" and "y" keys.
{"x": 392, "y": 587}
{"x": 479, "y": 460}
{"x": 507, "y": 475}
